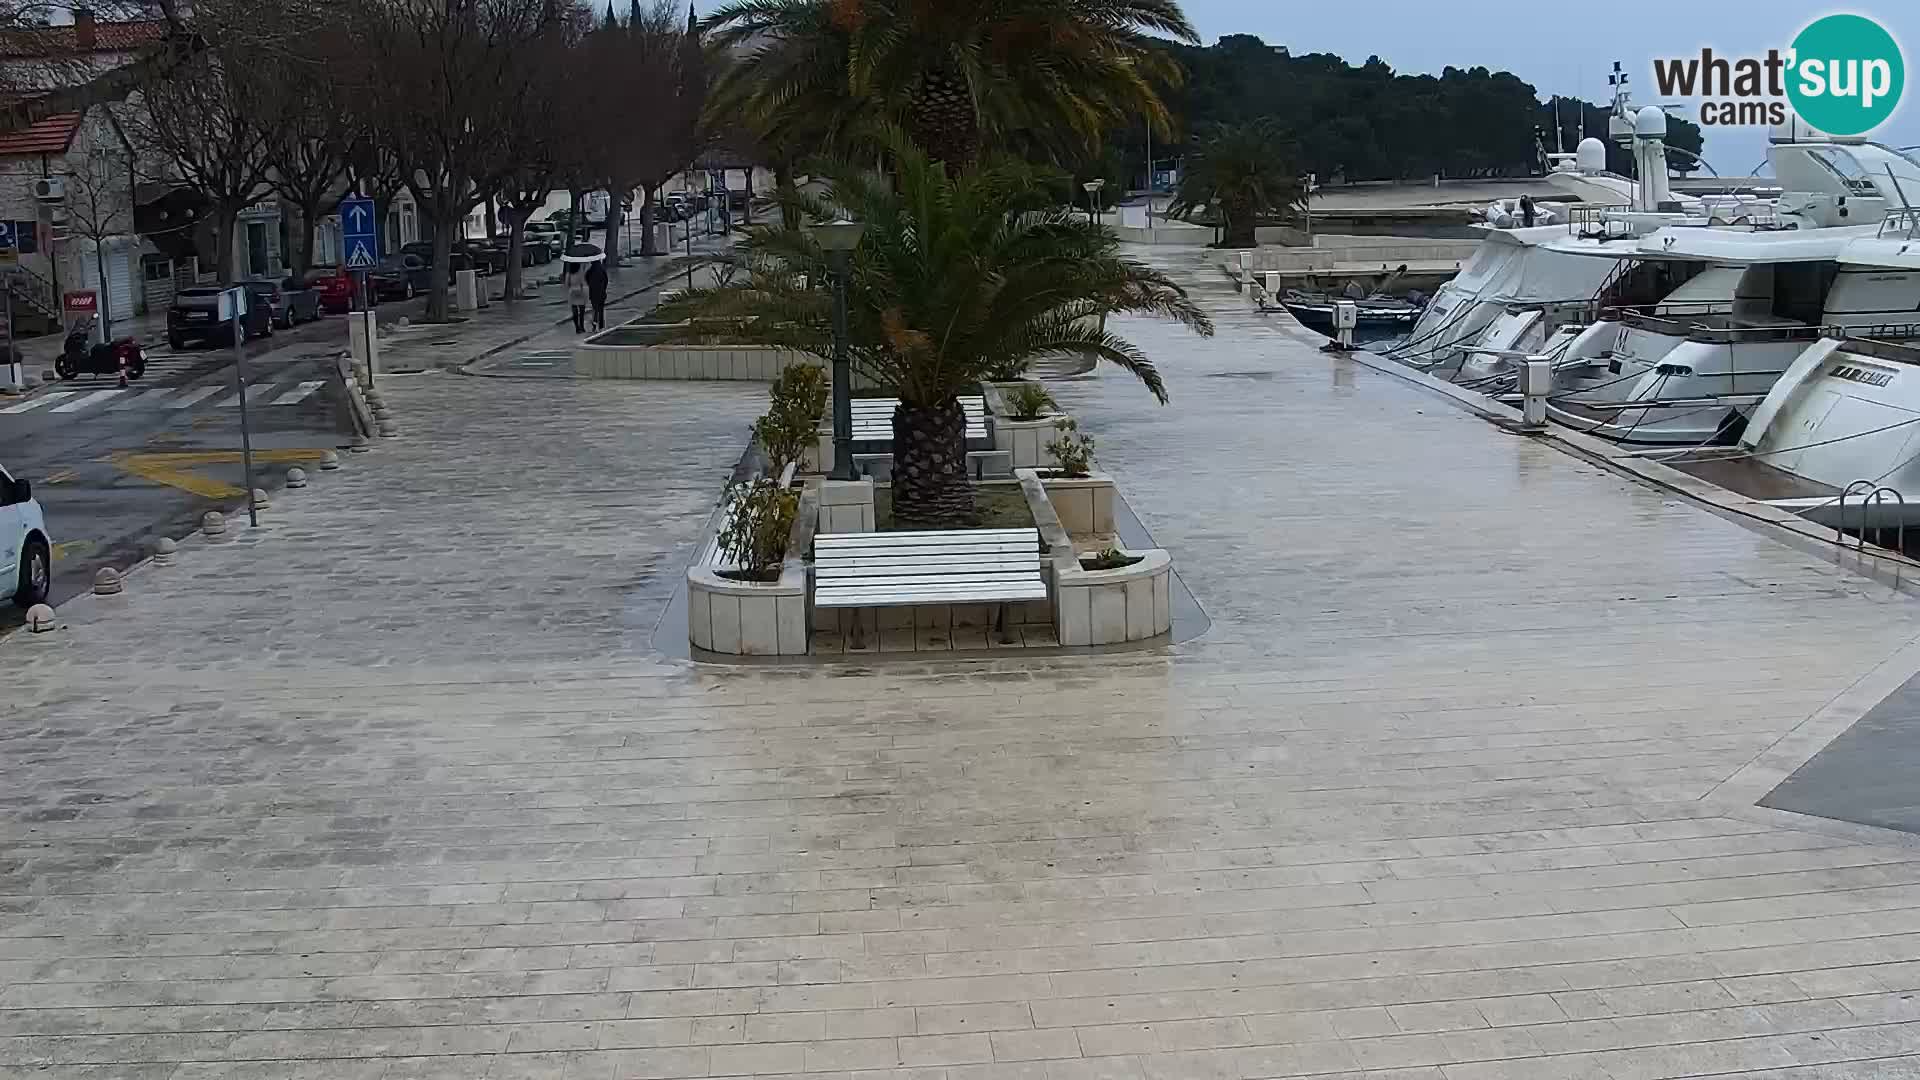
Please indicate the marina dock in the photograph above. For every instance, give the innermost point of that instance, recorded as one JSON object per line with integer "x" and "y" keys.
{"x": 1464, "y": 782}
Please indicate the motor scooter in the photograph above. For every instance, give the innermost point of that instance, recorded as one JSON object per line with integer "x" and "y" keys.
{"x": 123, "y": 357}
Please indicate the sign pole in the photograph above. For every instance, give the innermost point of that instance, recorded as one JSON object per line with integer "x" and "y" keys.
{"x": 246, "y": 428}
{"x": 366, "y": 321}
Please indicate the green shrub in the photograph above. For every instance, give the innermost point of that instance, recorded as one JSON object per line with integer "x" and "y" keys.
{"x": 1071, "y": 449}
{"x": 1029, "y": 401}
{"x": 798, "y": 398}
{"x": 802, "y": 387}
{"x": 760, "y": 519}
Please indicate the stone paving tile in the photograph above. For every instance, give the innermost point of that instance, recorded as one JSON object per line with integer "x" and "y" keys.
{"x": 396, "y": 787}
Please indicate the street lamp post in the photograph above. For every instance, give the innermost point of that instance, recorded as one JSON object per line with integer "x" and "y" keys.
{"x": 1093, "y": 195}
{"x": 838, "y": 239}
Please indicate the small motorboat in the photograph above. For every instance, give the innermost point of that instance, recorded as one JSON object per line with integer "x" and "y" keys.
{"x": 1378, "y": 313}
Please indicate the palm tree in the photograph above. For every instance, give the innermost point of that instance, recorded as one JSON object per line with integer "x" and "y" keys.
{"x": 1247, "y": 171}
{"x": 954, "y": 279}
{"x": 959, "y": 75}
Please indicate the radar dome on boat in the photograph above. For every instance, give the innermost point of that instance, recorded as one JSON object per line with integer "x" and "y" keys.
{"x": 1650, "y": 123}
{"x": 1591, "y": 155}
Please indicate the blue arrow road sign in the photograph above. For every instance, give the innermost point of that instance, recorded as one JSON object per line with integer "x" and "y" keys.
{"x": 7, "y": 239}
{"x": 359, "y": 233}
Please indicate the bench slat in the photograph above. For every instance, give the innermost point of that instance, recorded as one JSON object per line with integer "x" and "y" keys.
{"x": 922, "y": 537}
{"x": 875, "y": 580}
{"x": 860, "y": 598}
{"x": 930, "y": 564}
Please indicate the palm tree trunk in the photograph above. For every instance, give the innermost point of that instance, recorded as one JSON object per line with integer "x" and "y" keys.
{"x": 941, "y": 119}
{"x": 930, "y": 488}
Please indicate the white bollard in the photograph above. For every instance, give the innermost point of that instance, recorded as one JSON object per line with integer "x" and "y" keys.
{"x": 358, "y": 444}
{"x": 1536, "y": 383}
{"x": 329, "y": 461}
{"x": 214, "y": 524}
{"x": 163, "y": 550}
{"x": 466, "y": 290}
{"x": 106, "y": 582}
{"x": 363, "y": 342}
{"x": 260, "y": 499}
{"x": 40, "y": 618}
{"x": 296, "y": 477}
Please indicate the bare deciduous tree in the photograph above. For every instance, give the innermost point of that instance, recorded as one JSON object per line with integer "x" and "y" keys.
{"x": 100, "y": 202}
{"x": 440, "y": 81}
{"x": 205, "y": 130}
{"x": 311, "y": 141}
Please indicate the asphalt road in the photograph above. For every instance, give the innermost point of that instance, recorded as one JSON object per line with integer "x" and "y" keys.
{"x": 116, "y": 469}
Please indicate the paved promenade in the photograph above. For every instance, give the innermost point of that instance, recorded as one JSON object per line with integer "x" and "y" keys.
{"x": 1460, "y": 786}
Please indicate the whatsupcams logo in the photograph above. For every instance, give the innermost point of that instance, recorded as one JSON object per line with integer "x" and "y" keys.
{"x": 1843, "y": 75}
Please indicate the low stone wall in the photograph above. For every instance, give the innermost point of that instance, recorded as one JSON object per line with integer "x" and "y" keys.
{"x": 717, "y": 362}
{"x": 747, "y": 618}
{"x": 1100, "y": 607}
{"x": 1084, "y": 504}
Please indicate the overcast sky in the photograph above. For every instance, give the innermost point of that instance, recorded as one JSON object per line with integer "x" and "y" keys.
{"x": 1565, "y": 49}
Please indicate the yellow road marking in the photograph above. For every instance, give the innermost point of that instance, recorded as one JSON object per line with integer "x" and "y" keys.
{"x": 60, "y": 477}
{"x": 71, "y": 547}
{"x": 171, "y": 469}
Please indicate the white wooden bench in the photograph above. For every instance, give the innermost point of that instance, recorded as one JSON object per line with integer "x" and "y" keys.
{"x": 904, "y": 569}
{"x": 873, "y": 418}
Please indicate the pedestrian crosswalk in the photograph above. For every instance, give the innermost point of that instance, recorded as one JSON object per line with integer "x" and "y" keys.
{"x": 264, "y": 391}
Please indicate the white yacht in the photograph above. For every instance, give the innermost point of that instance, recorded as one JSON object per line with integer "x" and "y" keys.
{"x": 1837, "y": 436}
{"x": 1548, "y": 276}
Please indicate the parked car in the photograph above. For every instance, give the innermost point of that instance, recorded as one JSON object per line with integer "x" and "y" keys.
{"x": 195, "y": 316}
{"x": 287, "y": 301}
{"x": 485, "y": 255}
{"x": 334, "y": 289}
{"x": 549, "y": 237}
{"x": 458, "y": 258}
{"x": 400, "y": 277}
{"x": 26, "y": 549}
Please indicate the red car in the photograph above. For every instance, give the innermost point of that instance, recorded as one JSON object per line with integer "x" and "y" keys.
{"x": 335, "y": 288}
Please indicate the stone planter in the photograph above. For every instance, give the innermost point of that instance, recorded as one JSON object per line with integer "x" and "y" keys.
{"x": 1100, "y": 607}
{"x": 1083, "y": 503}
{"x": 750, "y": 618}
{"x": 1026, "y": 440}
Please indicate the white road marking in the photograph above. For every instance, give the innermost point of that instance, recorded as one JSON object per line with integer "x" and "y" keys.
{"x": 299, "y": 393}
{"x": 189, "y": 397}
{"x": 145, "y": 399}
{"x": 256, "y": 390}
{"x": 43, "y": 399}
{"x": 94, "y": 398}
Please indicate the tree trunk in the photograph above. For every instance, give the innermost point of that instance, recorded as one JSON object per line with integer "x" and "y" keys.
{"x": 223, "y": 220}
{"x": 930, "y": 488}
{"x": 783, "y": 184}
{"x": 303, "y": 251}
{"x": 941, "y": 119}
{"x": 614, "y": 217}
{"x": 746, "y": 207}
{"x": 493, "y": 221}
{"x": 438, "y": 275}
{"x": 516, "y": 222}
{"x": 647, "y": 208}
{"x": 1239, "y": 227}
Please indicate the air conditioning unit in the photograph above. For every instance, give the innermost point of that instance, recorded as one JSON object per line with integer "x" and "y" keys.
{"x": 50, "y": 189}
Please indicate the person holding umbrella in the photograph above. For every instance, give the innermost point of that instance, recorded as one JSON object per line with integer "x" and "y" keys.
{"x": 577, "y": 259}
{"x": 597, "y": 292}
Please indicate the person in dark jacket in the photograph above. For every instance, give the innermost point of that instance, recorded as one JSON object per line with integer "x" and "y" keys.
{"x": 1526, "y": 211}
{"x": 597, "y": 292}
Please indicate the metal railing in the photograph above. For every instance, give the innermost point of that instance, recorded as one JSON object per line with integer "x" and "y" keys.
{"x": 37, "y": 291}
{"x": 1903, "y": 220}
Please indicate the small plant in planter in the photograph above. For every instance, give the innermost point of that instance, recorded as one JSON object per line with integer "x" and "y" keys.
{"x": 803, "y": 388}
{"x": 1071, "y": 449}
{"x": 1109, "y": 558}
{"x": 760, "y": 517}
{"x": 1029, "y": 402}
{"x": 798, "y": 398}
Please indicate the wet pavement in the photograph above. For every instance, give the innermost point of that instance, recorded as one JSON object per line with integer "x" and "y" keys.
{"x": 1458, "y": 785}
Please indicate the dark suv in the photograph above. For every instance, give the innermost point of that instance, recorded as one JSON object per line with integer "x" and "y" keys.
{"x": 195, "y": 316}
